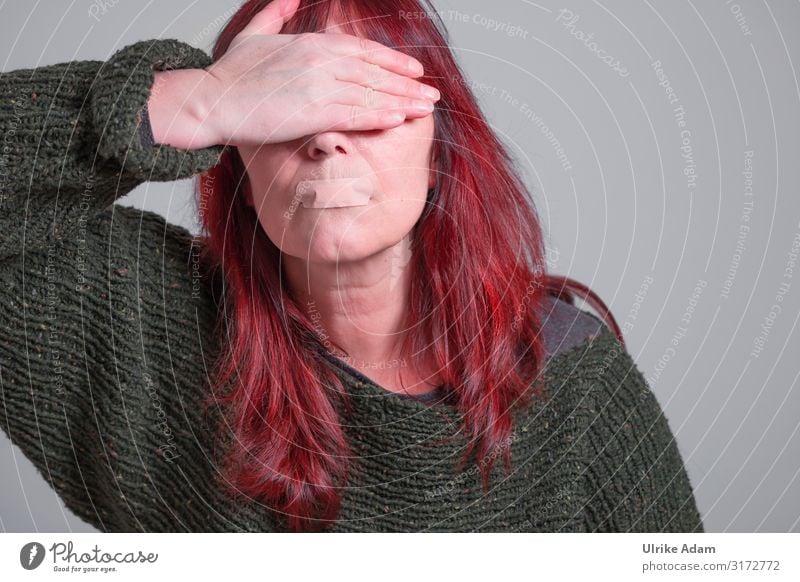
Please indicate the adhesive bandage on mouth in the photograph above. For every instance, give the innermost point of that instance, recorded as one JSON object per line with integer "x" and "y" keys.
{"x": 334, "y": 193}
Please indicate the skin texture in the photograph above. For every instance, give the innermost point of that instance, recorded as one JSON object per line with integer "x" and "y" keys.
{"x": 348, "y": 265}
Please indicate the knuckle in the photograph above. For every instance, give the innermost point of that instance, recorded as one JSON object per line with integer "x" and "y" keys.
{"x": 366, "y": 46}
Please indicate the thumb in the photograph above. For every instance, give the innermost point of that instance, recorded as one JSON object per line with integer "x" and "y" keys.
{"x": 270, "y": 19}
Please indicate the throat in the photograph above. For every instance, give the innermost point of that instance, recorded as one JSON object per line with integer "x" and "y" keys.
{"x": 396, "y": 376}
{"x": 412, "y": 385}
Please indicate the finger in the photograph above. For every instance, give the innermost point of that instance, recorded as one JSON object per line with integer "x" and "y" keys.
{"x": 340, "y": 117}
{"x": 354, "y": 70}
{"x": 375, "y": 53}
{"x": 358, "y": 95}
{"x": 270, "y": 19}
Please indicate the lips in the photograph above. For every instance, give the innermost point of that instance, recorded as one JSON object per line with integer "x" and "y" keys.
{"x": 335, "y": 192}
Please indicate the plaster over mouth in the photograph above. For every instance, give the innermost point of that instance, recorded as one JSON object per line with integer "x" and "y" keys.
{"x": 334, "y": 192}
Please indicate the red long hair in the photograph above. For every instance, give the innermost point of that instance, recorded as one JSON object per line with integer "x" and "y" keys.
{"x": 478, "y": 277}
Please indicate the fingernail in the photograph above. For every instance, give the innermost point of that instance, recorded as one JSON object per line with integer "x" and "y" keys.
{"x": 431, "y": 93}
{"x": 415, "y": 67}
{"x": 423, "y": 105}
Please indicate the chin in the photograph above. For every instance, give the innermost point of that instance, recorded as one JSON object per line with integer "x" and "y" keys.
{"x": 337, "y": 248}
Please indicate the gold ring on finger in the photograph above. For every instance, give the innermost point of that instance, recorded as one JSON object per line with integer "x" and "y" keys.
{"x": 369, "y": 97}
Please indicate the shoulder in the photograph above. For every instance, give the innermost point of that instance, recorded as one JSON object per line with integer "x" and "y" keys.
{"x": 594, "y": 370}
{"x": 598, "y": 367}
{"x": 565, "y": 326}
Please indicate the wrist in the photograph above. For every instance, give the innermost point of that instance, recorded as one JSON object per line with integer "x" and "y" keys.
{"x": 178, "y": 109}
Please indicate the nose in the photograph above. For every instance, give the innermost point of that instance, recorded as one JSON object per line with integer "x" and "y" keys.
{"x": 328, "y": 143}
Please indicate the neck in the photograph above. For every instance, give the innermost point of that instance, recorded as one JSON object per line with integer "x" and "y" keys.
{"x": 359, "y": 308}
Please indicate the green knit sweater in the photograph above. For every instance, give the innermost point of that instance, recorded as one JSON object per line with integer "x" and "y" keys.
{"x": 106, "y": 336}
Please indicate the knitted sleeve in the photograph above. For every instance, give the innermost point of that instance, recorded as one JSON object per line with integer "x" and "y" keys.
{"x": 636, "y": 478}
{"x": 80, "y": 277}
{"x": 72, "y": 145}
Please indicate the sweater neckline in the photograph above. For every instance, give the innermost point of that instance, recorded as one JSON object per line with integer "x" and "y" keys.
{"x": 435, "y": 397}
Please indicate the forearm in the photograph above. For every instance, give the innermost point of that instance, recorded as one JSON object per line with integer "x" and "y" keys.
{"x": 70, "y": 145}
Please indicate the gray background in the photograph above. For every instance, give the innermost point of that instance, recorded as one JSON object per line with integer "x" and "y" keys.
{"x": 617, "y": 205}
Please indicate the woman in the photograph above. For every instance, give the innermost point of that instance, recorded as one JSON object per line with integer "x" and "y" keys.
{"x": 366, "y": 327}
